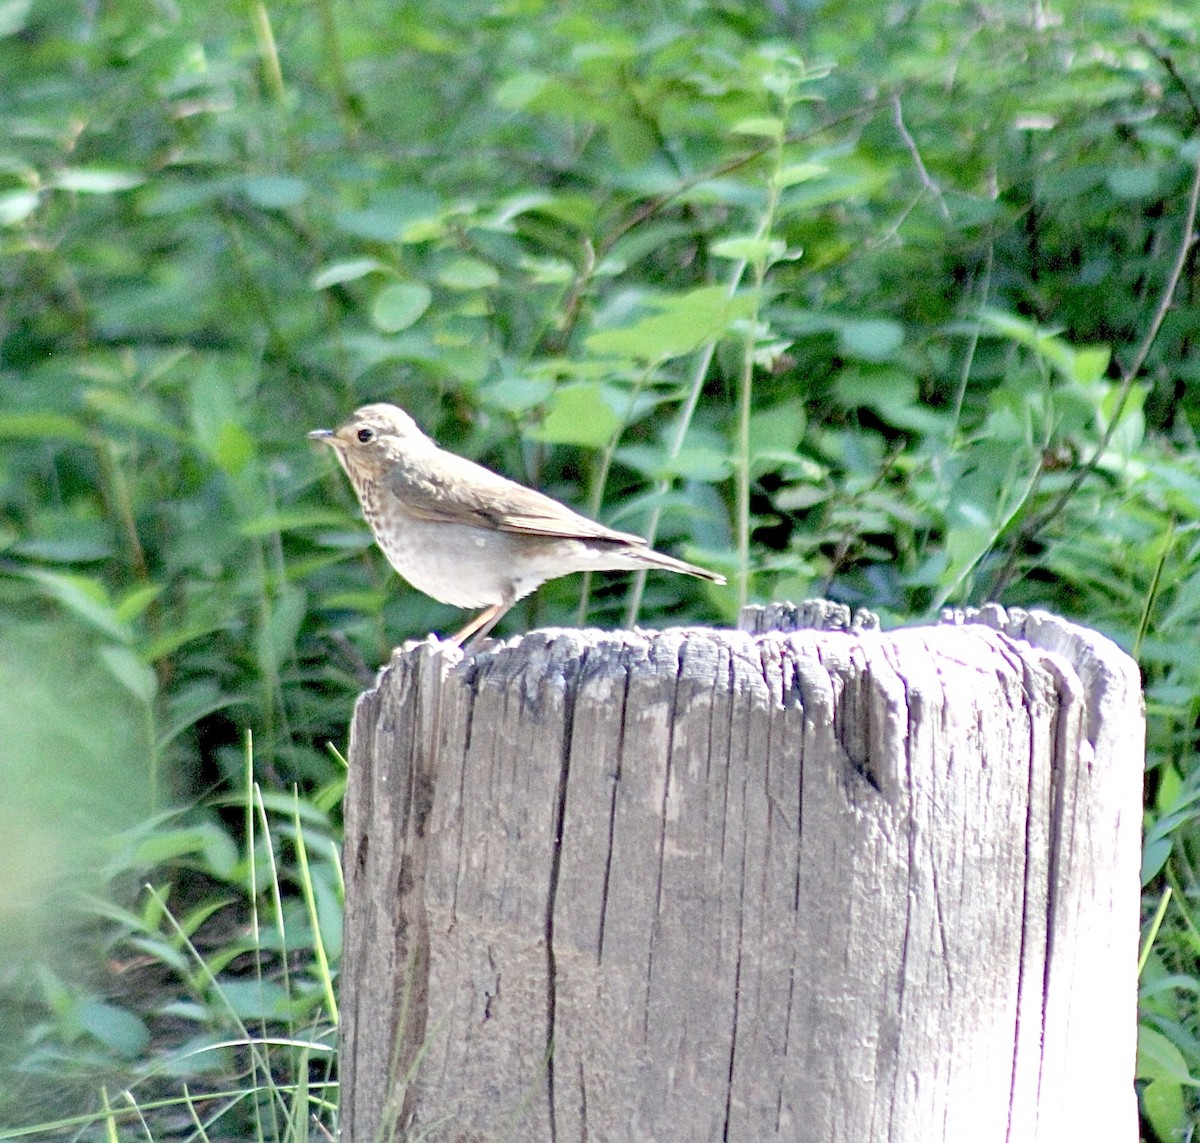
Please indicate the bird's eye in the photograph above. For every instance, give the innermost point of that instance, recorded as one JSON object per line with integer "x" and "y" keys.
{"x": 365, "y": 436}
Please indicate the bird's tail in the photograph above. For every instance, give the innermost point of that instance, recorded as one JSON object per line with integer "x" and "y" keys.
{"x": 648, "y": 557}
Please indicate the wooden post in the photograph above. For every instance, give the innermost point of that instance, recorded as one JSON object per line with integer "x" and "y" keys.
{"x": 832, "y": 885}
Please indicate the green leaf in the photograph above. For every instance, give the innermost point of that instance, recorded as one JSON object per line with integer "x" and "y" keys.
{"x": 86, "y": 598}
{"x": 683, "y": 323}
{"x": 1165, "y": 1107}
{"x": 1158, "y": 1058}
{"x": 890, "y": 391}
{"x": 96, "y": 180}
{"x": 16, "y": 206}
{"x": 123, "y": 409}
{"x": 423, "y": 230}
{"x": 167, "y": 198}
{"x": 468, "y": 274}
{"x": 1091, "y": 364}
{"x": 206, "y": 840}
{"x": 871, "y": 339}
{"x": 255, "y": 999}
{"x": 296, "y": 519}
{"x": 514, "y": 207}
{"x": 217, "y": 410}
{"x": 700, "y": 462}
{"x": 517, "y": 394}
{"x": 277, "y": 638}
{"x": 578, "y": 415}
{"x": 750, "y": 249}
{"x": 390, "y": 214}
{"x": 57, "y": 997}
{"x": 795, "y": 173}
{"x": 765, "y": 126}
{"x": 233, "y": 448}
{"x": 275, "y": 192}
{"x": 519, "y": 91}
{"x": 188, "y": 709}
{"x": 1155, "y": 852}
{"x": 1083, "y": 366}
{"x": 1133, "y": 182}
{"x": 41, "y": 426}
{"x": 134, "y": 675}
{"x": 548, "y": 271}
{"x": 13, "y": 16}
{"x": 777, "y": 430}
{"x": 348, "y": 271}
{"x": 705, "y": 463}
{"x": 399, "y": 305}
{"x": 66, "y": 542}
{"x": 116, "y": 1028}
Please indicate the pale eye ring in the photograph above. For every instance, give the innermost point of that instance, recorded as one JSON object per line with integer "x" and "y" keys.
{"x": 365, "y": 436}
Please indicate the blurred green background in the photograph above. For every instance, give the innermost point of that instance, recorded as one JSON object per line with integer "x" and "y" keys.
{"x": 888, "y": 303}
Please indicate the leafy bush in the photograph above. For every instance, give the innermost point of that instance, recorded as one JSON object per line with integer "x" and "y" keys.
{"x": 884, "y": 304}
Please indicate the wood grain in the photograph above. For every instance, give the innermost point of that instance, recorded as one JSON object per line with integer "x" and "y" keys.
{"x": 825, "y": 883}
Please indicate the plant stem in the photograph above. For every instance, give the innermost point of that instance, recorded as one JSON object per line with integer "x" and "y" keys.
{"x": 600, "y": 480}
{"x": 264, "y": 37}
{"x": 746, "y": 389}
{"x": 676, "y": 446}
{"x": 746, "y": 378}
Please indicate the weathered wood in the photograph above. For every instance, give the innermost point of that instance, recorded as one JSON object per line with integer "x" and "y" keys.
{"x": 829, "y": 885}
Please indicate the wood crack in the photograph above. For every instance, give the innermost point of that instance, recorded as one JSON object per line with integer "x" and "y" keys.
{"x": 612, "y": 817}
{"x": 571, "y": 692}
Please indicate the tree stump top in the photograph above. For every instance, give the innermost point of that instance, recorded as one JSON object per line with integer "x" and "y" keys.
{"x": 828, "y": 884}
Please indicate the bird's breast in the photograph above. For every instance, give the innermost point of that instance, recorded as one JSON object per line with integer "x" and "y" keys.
{"x": 457, "y": 564}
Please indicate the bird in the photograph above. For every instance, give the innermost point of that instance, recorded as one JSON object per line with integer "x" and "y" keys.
{"x": 464, "y": 534}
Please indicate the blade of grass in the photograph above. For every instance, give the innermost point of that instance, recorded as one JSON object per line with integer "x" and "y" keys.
{"x": 310, "y": 901}
{"x": 1152, "y": 931}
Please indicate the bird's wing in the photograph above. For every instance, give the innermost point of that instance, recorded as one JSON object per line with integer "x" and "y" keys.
{"x": 459, "y": 491}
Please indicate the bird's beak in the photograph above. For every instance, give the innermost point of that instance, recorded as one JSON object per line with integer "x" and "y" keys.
{"x": 322, "y": 435}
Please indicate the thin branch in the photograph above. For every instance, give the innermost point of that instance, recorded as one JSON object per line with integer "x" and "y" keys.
{"x": 1168, "y": 65}
{"x": 1129, "y": 375}
{"x": 652, "y": 206}
{"x": 964, "y": 377}
{"x": 926, "y": 181}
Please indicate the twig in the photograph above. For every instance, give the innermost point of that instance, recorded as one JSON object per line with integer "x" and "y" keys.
{"x": 1128, "y": 375}
{"x": 1168, "y": 65}
{"x": 652, "y": 206}
{"x": 926, "y": 181}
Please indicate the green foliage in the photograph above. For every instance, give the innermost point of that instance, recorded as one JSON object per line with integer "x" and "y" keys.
{"x": 888, "y": 306}
{"x": 228, "y": 991}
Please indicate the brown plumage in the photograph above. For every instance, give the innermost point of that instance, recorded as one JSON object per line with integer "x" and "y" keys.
{"x": 466, "y": 535}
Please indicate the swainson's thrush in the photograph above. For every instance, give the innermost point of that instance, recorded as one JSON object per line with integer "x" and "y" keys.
{"x": 464, "y": 534}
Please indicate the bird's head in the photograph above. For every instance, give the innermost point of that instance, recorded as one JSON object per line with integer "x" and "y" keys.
{"x": 371, "y": 439}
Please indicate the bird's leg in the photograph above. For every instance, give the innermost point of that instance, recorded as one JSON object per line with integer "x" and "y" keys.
{"x": 479, "y": 627}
